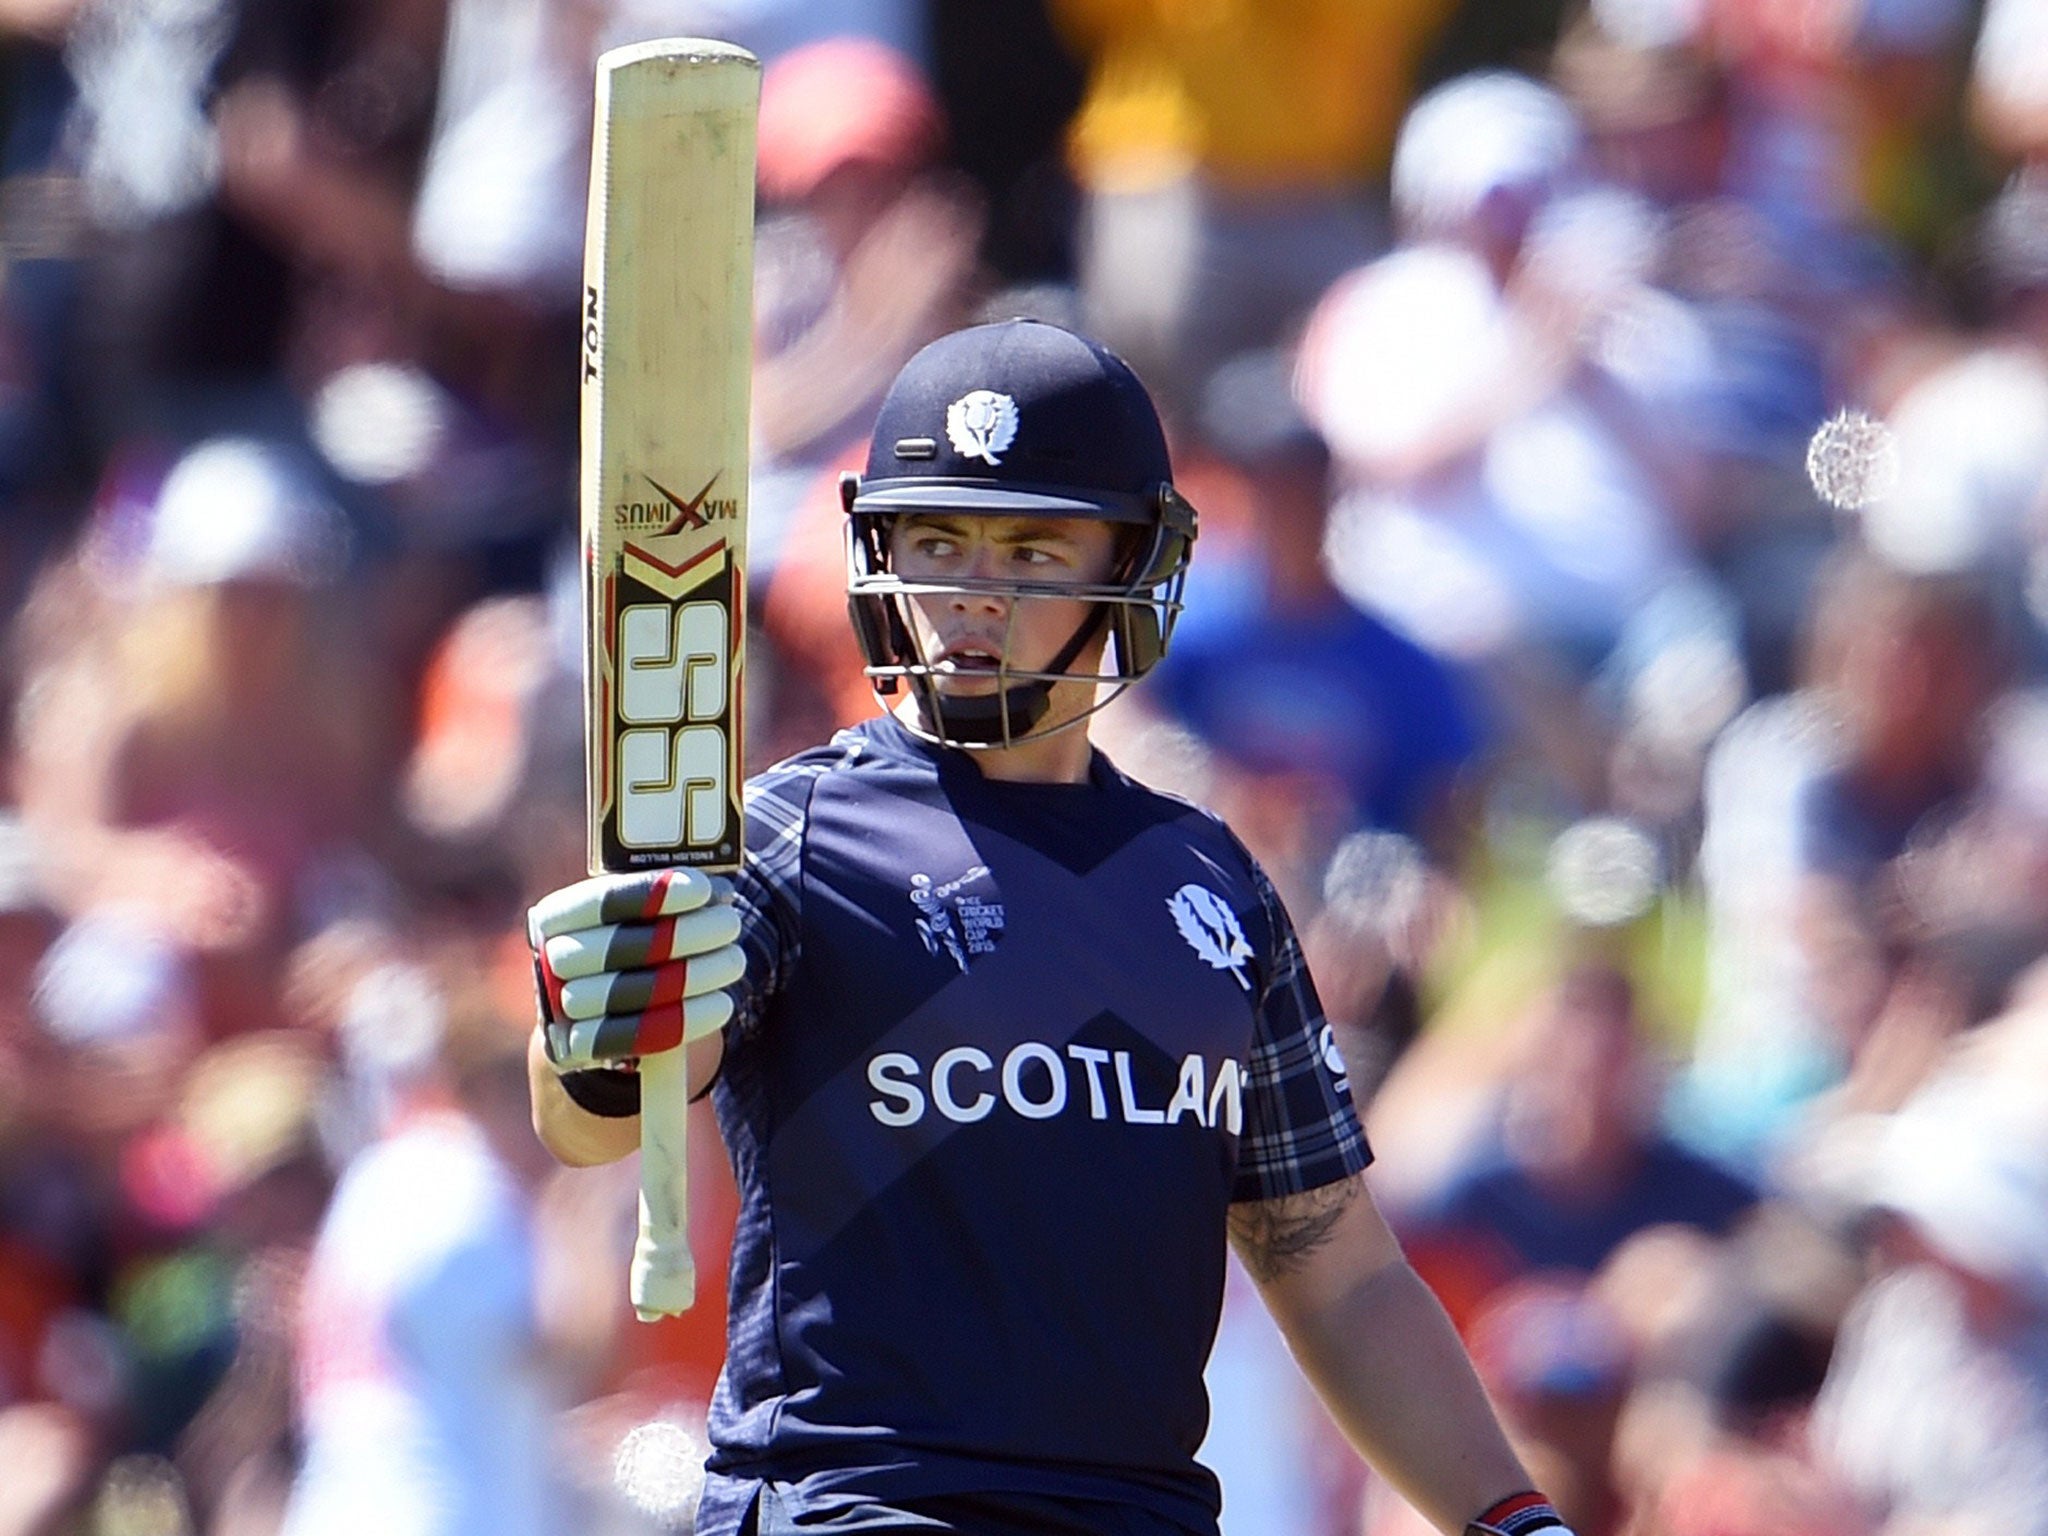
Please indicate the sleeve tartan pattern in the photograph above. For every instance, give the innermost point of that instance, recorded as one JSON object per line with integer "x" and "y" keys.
{"x": 1301, "y": 1130}
{"x": 769, "y": 888}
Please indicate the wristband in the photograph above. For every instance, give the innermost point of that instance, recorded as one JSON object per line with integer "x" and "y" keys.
{"x": 1519, "y": 1514}
{"x": 613, "y": 1093}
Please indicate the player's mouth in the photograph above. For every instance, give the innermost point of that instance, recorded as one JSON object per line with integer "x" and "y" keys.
{"x": 969, "y": 657}
{"x": 968, "y": 663}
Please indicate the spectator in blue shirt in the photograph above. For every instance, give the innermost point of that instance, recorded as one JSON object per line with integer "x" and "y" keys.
{"x": 1280, "y": 672}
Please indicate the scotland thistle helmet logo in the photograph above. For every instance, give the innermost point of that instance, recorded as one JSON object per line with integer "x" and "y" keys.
{"x": 981, "y": 425}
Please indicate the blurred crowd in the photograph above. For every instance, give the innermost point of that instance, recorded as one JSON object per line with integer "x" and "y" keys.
{"x": 1660, "y": 781}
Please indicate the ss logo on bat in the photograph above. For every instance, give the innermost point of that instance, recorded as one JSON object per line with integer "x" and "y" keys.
{"x": 673, "y": 667}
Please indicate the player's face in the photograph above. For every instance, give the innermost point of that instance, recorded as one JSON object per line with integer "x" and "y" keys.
{"x": 968, "y": 634}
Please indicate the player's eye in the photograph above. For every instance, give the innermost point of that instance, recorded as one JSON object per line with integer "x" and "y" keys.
{"x": 1031, "y": 555}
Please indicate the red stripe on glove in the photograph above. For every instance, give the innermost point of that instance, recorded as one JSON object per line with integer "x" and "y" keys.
{"x": 669, "y": 982}
{"x": 660, "y": 1029}
{"x": 550, "y": 986}
{"x": 657, "y": 892}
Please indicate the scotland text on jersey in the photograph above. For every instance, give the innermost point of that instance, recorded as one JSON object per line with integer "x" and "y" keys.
{"x": 1038, "y": 1082}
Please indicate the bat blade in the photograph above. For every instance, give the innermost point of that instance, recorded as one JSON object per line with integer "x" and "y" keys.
{"x": 667, "y": 330}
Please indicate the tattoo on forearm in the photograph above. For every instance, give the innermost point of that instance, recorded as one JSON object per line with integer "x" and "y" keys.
{"x": 1275, "y": 1237}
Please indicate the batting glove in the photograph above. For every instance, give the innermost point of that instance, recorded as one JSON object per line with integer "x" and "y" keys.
{"x": 629, "y": 965}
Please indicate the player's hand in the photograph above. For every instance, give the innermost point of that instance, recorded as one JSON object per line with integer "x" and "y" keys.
{"x": 629, "y": 965}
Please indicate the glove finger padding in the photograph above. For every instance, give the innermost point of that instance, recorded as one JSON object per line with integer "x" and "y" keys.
{"x": 590, "y": 997}
{"x": 632, "y": 964}
{"x": 639, "y": 897}
{"x": 637, "y": 946}
{"x": 615, "y": 1037}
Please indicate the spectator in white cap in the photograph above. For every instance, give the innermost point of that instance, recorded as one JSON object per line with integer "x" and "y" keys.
{"x": 1935, "y": 1409}
{"x": 1477, "y": 157}
{"x": 1494, "y": 505}
{"x": 205, "y": 744}
{"x": 117, "y": 1008}
{"x": 242, "y": 509}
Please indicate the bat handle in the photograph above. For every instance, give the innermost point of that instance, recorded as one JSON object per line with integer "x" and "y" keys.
{"x": 664, "y": 1280}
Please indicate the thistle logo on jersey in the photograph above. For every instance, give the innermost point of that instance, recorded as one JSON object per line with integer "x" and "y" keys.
{"x": 982, "y": 424}
{"x": 954, "y": 921}
{"x": 1036, "y": 1081}
{"x": 1212, "y": 930}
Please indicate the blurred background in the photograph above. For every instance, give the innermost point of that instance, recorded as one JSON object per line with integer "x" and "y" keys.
{"x": 1619, "y": 624}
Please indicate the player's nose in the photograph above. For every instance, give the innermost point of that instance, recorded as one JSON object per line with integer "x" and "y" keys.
{"x": 980, "y": 603}
{"x": 977, "y": 613}
{"x": 983, "y": 563}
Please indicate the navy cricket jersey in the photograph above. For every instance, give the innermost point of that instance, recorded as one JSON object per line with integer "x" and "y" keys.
{"x": 1006, "y": 1054}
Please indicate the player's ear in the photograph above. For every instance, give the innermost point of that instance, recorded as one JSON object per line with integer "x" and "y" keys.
{"x": 1156, "y": 562}
{"x": 1129, "y": 551}
{"x": 870, "y": 532}
{"x": 1152, "y": 555}
{"x": 878, "y": 626}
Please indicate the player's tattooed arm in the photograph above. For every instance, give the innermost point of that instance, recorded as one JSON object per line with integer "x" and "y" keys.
{"x": 1276, "y": 1237}
{"x": 1379, "y": 1349}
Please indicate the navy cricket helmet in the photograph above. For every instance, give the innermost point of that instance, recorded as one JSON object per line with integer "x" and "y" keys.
{"x": 1018, "y": 419}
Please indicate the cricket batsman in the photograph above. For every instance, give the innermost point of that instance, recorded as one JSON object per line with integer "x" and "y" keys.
{"x": 1005, "y": 1047}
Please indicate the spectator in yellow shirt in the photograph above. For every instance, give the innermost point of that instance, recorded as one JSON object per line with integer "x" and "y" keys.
{"x": 1225, "y": 150}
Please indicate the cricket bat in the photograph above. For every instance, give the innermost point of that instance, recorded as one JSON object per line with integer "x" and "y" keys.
{"x": 667, "y": 337}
